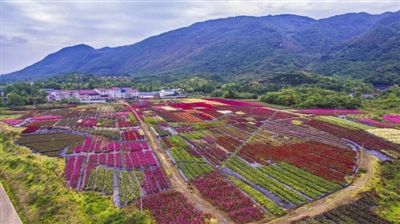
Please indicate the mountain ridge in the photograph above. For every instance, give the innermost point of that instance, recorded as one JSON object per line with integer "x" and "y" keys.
{"x": 227, "y": 46}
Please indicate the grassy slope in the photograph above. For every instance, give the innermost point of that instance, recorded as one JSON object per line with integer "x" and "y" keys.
{"x": 386, "y": 184}
{"x": 389, "y": 191}
{"x": 36, "y": 186}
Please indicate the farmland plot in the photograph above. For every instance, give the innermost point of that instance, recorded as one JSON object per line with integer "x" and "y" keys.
{"x": 251, "y": 162}
{"x": 277, "y": 163}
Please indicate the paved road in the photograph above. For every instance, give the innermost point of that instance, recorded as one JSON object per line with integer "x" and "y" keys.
{"x": 177, "y": 181}
{"x": 341, "y": 197}
{"x": 8, "y": 215}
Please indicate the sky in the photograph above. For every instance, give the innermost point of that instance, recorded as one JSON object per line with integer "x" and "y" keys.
{"x": 30, "y": 30}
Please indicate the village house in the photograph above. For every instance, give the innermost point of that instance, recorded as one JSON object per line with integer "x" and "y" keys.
{"x": 89, "y": 96}
{"x": 129, "y": 93}
{"x": 58, "y": 95}
{"x": 168, "y": 92}
{"x": 118, "y": 93}
{"x": 149, "y": 95}
{"x": 100, "y": 95}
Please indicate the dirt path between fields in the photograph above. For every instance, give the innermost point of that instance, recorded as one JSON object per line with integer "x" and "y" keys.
{"x": 8, "y": 214}
{"x": 341, "y": 197}
{"x": 177, "y": 181}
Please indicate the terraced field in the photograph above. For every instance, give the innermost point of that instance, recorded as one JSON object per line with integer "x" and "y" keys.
{"x": 252, "y": 163}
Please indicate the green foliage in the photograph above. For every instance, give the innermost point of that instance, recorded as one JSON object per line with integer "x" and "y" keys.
{"x": 177, "y": 141}
{"x": 311, "y": 97}
{"x": 389, "y": 191}
{"x": 13, "y": 99}
{"x": 319, "y": 183}
{"x": 387, "y": 103}
{"x": 300, "y": 186}
{"x": 209, "y": 124}
{"x": 193, "y": 135}
{"x": 191, "y": 166}
{"x": 258, "y": 197}
{"x": 152, "y": 120}
{"x": 37, "y": 184}
{"x": 344, "y": 123}
{"x": 29, "y": 93}
{"x": 132, "y": 118}
{"x": 257, "y": 177}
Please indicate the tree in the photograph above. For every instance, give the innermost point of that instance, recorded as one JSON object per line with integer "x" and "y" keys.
{"x": 14, "y": 99}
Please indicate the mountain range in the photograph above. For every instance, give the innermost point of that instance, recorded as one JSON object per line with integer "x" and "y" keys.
{"x": 353, "y": 44}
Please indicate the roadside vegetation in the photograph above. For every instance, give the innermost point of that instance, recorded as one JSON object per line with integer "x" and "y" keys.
{"x": 388, "y": 191}
{"x": 386, "y": 103}
{"x": 37, "y": 190}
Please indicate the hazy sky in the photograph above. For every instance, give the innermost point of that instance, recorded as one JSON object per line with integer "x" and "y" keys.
{"x": 32, "y": 29}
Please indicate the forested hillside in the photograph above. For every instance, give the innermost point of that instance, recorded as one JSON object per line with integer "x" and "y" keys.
{"x": 355, "y": 44}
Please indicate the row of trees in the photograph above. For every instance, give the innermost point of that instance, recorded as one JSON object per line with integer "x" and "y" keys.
{"x": 20, "y": 94}
{"x": 312, "y": 97}
{"x": 297, "y": 89}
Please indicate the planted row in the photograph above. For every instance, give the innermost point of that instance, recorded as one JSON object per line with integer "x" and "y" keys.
{"x": 228, "y": 198}
{"x": 172, "y": 207}
{"x": 258, "y": 197}
{"x": 257, "y": 177}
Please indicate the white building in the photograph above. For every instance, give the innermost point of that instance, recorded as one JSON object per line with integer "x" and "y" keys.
{"x": 149, "y": 95}
{"x": 89, "y": 96}
{"x": 58, "y": 95}
{"x": 118, "y": 93}
{"x": 168, "y": 92}
{"x": 100, "y": 95}
{"x": 129, "y": 93}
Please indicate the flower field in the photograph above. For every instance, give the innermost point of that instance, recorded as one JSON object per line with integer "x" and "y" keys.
{"x": 390, "y": 134}
{"x": 50, "y": 144}
{"x": 374, "y": 123}
{"x": 328, "y": 111}
{"x": 173, "y": 207}
{"x": 344, "y": 123}
{"x": 360, "y": 137}
{"x": 228, "y": 198}
{"x": 360, "y": 211}
{"x": 276, "y": 163}
{"x": 104, "y": 149}
{"x": 249, "y": 161}
{"x": 393, "y": 118}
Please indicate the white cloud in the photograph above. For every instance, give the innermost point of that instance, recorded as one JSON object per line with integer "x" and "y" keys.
{"x": 50, "y": 25}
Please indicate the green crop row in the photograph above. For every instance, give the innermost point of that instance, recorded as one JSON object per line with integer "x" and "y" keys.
{"x": 91, "y": 181}
{"x": 132, "y": 118}
{"x": 194, "y": 135}
{"x": 181, "y": 155}
{"x": 293, "y": 183}
{"x": 128, "y": 187}
{"x": 101, "y": 180}
{"x": 344, "y": 123}
{"x": 193, "y": 170}
{"x": 191, "y": 166}
{"x": 178, "y": 142}
{"x": 320, "y": 182}
{"x": 108, "y": 181}
{"x": 257, "y": 177}
{"x": 258, "y": 197}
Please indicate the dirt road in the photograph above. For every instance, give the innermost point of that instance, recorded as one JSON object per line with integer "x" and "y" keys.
{"x": 176, "y": 180}
{"x": 336, "y": 199}
{"x": 341, "y": 197}
{"x": 7, "y": 211}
